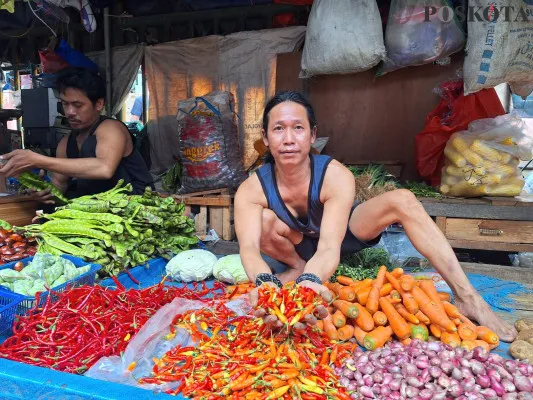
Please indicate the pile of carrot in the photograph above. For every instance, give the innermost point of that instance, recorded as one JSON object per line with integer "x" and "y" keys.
{"x": 373, "y": 311}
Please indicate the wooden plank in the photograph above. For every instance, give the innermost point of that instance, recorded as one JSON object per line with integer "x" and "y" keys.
{"x": 482, "y": 211}
{"x": 213, "y": 191}
{"x": 200, "y": 221}
{"x": 515, "y": 274}
{"x": 441, "y": 223}
{"x": 483, "y": 230}
{"x": 473, "y": 244}
{"x": 216, "y": 219}
{"x": 224, "y": 200}
{"x": 228, "y": 228}
{"x": 18, "y": 213}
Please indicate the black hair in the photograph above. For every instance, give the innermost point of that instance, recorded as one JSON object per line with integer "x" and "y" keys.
{"x": 295, "y": 97}
{"x": 86, "y": 80}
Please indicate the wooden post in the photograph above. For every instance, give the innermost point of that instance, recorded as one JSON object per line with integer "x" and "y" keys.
{"x": 200, "y": 221}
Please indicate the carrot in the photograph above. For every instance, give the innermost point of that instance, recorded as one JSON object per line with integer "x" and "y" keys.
{"x": 372, "y": 302}
{"x": 397, "y": 272}
{"x": 362, "y": 295}
{"x": 397, "y": 323}
{"x": 406, "y": 341}
{"x": 435, "y": 330}
{"x": 359, "y": 335}
{"x": 419, "y": 332}
{"x": 385, "y": 289}
{"x": 468, "y": 345}
{"x": 339, "y": 320}
{"x": 483, "y": 344}
{"x": 349, "y": 310}
{"x": 378, "y": 337}
{"x": 345, "y": 280}
{"x": 394, "y": 294}
{"x": 436, "y": 314}
{"x": 422, "y": 317}
{"x": 380, "y": 318}
{"x": 346, "y": 293}
{"x": 444, "y": 296}
{"x": 393, "y": 300}
{"x": 330, "y": 328}
{"x": 364, "y": 319}
{"x": 431, "y": 291}
{"x": 345, "y": 332}
{"x": 406, "y": 314}
{"x": 484, "y": 333}
{"x": 320, "y": 324}
{"x": 410, "y": 302}
{"x": 407, "y": 282}
{"x": 451, "y": 310}
{"x": 451, "y": 339}
{"x": 365, "y": 283}
{"x": 393, "y": 281}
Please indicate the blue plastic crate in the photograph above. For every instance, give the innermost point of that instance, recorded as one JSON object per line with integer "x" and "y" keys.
{"x": 9, "y": 303}
{"x": 28, "y": 302}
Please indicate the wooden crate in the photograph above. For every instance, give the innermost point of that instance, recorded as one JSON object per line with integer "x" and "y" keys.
{"x": 216, "y": 211}
{"x": 487, "y": 223}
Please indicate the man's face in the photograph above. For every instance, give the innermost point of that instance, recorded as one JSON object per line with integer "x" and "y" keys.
{"x": 79, "y": 109}
{"x": 289, "y": 136}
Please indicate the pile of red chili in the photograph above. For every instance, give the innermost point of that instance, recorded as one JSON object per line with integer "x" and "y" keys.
{"x": 242, "y": 358}
{"x": 84, "y": 324}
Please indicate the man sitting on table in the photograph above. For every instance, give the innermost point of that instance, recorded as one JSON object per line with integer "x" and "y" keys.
{"x": 300, "y": 210}
{"x": 95, "y": 155}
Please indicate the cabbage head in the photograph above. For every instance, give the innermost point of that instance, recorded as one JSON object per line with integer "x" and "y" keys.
{"x": 191, "y": 265}
{"x": 230, "y": 269}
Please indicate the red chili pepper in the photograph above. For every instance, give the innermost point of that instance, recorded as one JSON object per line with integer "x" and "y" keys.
{"x": 132, "y": 277}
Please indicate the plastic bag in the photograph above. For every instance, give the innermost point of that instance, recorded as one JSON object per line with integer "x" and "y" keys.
{"x": 412, "y": 40}
{"x": 342, "y": 37}
{"x": 209, "y": 143}
{"x": 454, "y": 112}
{"x": 500, "y": 49}
{"x": 51, "y": 61}
{"x": 151, "y": 342}
{"x": 484, "y": 160}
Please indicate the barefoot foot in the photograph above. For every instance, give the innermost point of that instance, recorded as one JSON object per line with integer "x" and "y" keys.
{"x": 475, "y": 308}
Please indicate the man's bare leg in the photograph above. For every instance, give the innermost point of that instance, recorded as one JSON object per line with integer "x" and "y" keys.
{"x": 401, "y": 206}
{"x": 277, "y": 241}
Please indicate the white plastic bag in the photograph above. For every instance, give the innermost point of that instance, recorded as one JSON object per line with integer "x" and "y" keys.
{"x": 410, "y": 39}
{"x": 500, "y": 50}
{"x": 151, "y": 342}
{"x": 343, "y": 36}
{"x": 484, "y": 160}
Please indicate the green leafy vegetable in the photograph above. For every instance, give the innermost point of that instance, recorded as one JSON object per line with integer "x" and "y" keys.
{"x": 420, "y": 189}
{"x": 364, "y": 264}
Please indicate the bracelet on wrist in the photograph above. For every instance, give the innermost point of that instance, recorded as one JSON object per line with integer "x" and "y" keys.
{"x": 309, "y": 277}
{"x": 264, "y": 278}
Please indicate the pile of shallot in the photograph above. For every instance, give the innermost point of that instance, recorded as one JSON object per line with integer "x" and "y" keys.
{"x": 433, "y": 370}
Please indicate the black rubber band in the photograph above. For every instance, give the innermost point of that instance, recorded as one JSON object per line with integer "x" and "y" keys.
{"x": 309, "y": 277}
{"x": 264, "y": 277}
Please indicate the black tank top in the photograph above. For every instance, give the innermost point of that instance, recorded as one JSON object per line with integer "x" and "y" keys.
{"x": 132, "y": 169}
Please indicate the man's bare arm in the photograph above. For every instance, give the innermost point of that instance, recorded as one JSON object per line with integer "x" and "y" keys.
{"x": 60, "y": 180}
{"x": 339, "y": 194}
{"x": 248, "y": 227}
{"x": 110, "y": 148}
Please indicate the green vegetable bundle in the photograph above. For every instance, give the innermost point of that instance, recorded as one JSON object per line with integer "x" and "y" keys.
{"x": 30, "y": 180}
{"x": 116, "y": 229}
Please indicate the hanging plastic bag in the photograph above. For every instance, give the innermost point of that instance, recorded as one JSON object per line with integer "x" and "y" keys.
{"x": 454, "y": 112}
{"x": 342, "y": 37}
{"x": 414, "y": 36}
{"x": 500, "y": 46}
{"x": 152, "y": 341}
{"x": 209, "y": 143}
{"x": 483, "y": 161}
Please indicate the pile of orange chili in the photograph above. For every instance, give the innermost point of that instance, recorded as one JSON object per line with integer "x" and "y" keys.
{"x": 239, "y": 357}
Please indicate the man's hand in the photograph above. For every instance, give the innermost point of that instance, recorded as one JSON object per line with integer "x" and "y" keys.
{"x": 327, "y": 296}
{"x": 269, "y": 320}
{"x": 18, "y": 161}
